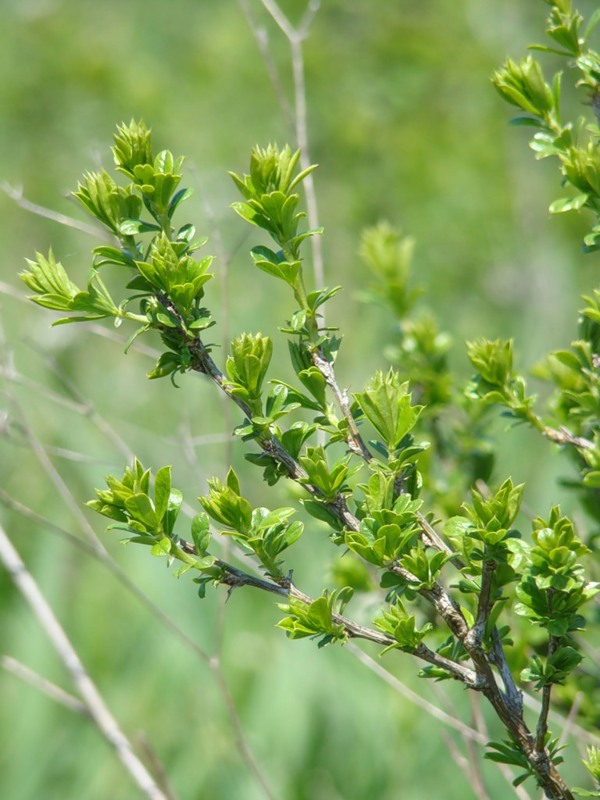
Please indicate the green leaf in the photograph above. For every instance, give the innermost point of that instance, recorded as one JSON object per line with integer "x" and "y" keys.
{"x": 140, "y": 508}
{"x": 276, "y": 264}
{"x": 569, "y": 203}
{"x": 386, "y": 402}
{"x": 162, "y": 547}
{"x": 201, "y": 532}
{"x": 111, "y": 255}
{"x": 178, "y": 198}
{"x": 247, "y": 367}
{"x": 162, "y": 491}
{"x": 225, "y": 505}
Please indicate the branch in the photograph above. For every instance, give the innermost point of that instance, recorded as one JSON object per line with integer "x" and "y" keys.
{"x": 497, "y": 657}
{"x": 355, "y": 440}
{"x": 296, "y": 37}
{"x": 484, "y": 603}
{"x": 482, "y": 679}
{"x": 542, "y": 725}
{"x": 203, "y": 363}
{"x": 234, "y": 578}
{"x": 418, "y": 699}
{"x": 42, "y": 456}
{"x": 262, "y": 40}
{"x": 563, "y": 436}
{"x": 16, "y": 193}
{"x": 44, "y": 685}
{"x": 90, "y": 695}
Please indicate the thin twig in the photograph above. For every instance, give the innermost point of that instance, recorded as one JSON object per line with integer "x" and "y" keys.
{"x": 86, "y": 407}
{"x": 564, "y": 436}
{"x": 473, "y": 757}
{"x": 296, "y": 37}
{"x": 569, "y": 720}
{"x": 16, "y": 193}
{"x": 504, "y": 769}
{"x": 461, "y": 761}
{"x": 241, "y": 741}
{"x": 39, "y": 451}
{"x": 355, "y": 440}
{"x": 262, "y": 40}
{"x": 413, "y": 697}
{"x": 43, "y": 685}
{"x": 542, "y": 725}
{"x": 158, "y": 770}
{"x": 88, "y": 692}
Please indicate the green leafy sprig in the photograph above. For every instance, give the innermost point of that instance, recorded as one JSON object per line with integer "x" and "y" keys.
{"x": 446, "y": 596}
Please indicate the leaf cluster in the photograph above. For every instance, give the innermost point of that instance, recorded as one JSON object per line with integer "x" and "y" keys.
{"x": 374, "y": 468}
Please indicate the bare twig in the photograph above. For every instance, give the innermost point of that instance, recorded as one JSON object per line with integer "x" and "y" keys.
{"x": 542, "y": 725}
{"x": 466, "y": 766}
{"x": 473, "y": 757}
{"x": 39, "y": 451}
{"x": 479, "y": 722}
{"x": 295, "y": 37}
{"x": 158, "y": 770}
{"x": 85, "y": 406}
{"x": 16, "y": 194}
{"x": 88, "y": 692}
{"x": 44, "y": 685}
{"x": 262, "y": 40}
{"x": 355, "y": 440}
{"x": 429, "y": 708}
{"x": 241, "y": 740}
{"x": 564, "y": 436}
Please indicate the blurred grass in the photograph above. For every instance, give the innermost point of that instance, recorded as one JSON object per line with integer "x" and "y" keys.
{"x": 406, "y": 126}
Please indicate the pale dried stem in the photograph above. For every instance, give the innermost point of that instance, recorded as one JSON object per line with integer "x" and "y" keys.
{"x": 504, "y": 769}
{"x": 86, "y": 688}
{"x": 240, "y": 737}
{"x": 473, "y": 757}
{"x": 38, "y": 449}
{"x": 16, "y": 193}
{"x": 85, "y": 406}
{"x": 158, "y": 770}
{"x": 429, "y": 708}
{"x": 43, "y": 685}
{"x": 262, "y": 40}
{"x": 296, "y": 37}
{"x": 95, "y": 547}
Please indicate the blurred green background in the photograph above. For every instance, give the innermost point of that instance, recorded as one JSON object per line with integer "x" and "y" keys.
{"x": 406, "y": 126}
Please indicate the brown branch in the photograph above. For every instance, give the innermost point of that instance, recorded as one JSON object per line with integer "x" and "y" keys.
{"x": 497, "y": 657}
{"x": 355, "y": 440}
{"x": 542, "y": 725}
{"x": 563, "y": 436}
{"x": 481, "y": 679}
{"x": 235, "y": 578}
{"x": 484, "y": 601}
